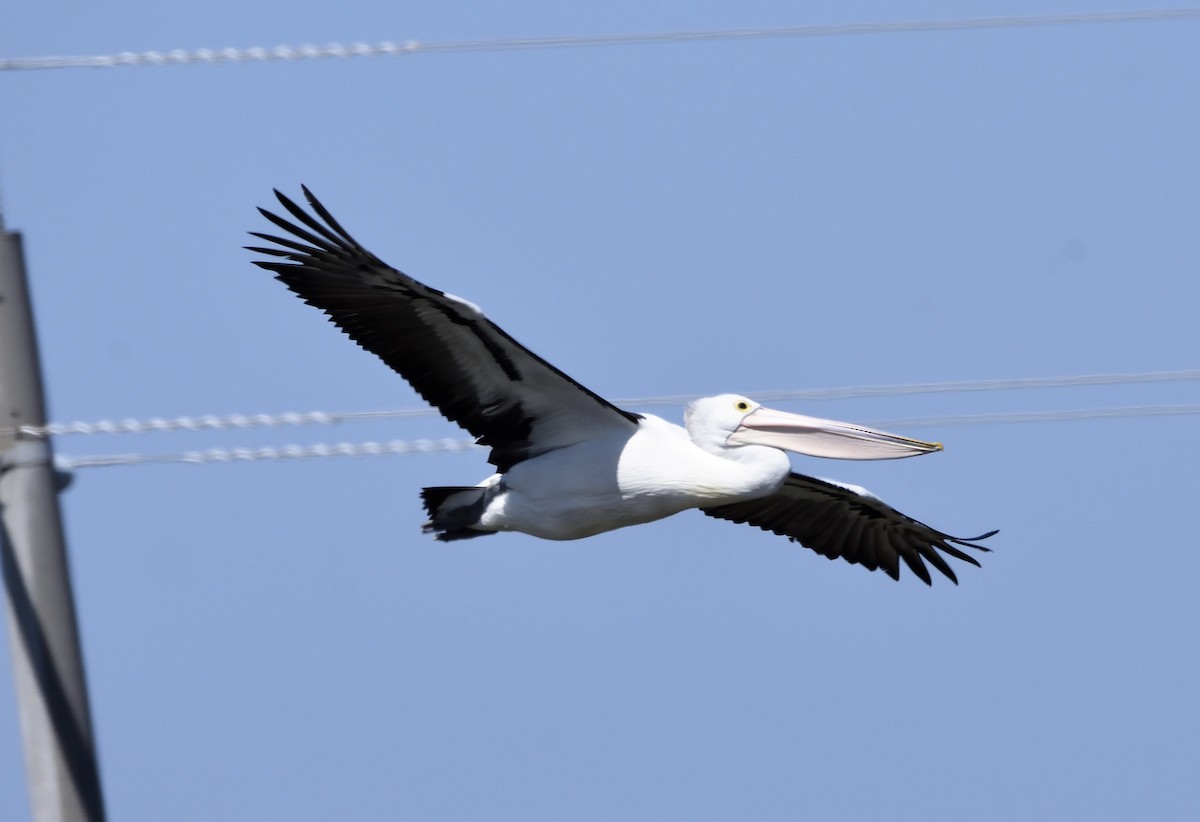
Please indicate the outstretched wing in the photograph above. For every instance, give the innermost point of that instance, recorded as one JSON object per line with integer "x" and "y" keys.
{"x": 848, "y": 522}
{"x": 456, "y": 358}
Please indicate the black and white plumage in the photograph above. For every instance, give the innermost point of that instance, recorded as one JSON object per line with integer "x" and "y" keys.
{"x": 569, "y": 463}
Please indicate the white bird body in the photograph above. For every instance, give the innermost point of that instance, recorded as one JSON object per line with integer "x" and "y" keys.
{"x": 569, "y": 463}
{"x": 653, "y": 473}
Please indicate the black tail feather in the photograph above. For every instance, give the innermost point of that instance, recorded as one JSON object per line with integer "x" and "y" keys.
{"x": 453, "y": 519}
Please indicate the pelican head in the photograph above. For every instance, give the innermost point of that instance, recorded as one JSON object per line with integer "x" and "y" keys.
{"x": 731, "y": 420}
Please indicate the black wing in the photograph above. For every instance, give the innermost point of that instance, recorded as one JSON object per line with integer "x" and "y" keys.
{"x": 842, "y": 521}
{"x": 459, "y": 361}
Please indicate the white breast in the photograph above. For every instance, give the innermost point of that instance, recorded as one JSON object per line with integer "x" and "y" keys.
{"x": 613, "y": 482}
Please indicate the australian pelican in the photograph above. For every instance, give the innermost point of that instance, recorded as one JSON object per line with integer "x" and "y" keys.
{"x": 569, "y": 463}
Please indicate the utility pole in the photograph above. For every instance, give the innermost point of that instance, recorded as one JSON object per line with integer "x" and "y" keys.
{"x": 60, "y": 754}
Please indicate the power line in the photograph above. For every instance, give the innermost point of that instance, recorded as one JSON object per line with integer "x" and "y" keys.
{"x": 451, "y": 445}
{"x": 247, "y": 421}
{"x": 413, "y": 47}
{"x": 953, "y": 386}
{"x": 286, "y": 452}
{"x": 213, "y": 422}
{"x": 1042, "y": 416}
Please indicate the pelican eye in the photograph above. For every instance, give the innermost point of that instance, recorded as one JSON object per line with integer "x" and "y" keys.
{"x": 742, "y": 405}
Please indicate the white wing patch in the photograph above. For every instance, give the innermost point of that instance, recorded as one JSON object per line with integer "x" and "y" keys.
{"x": 475, "y": 311}
{"x": 855, "y": 489}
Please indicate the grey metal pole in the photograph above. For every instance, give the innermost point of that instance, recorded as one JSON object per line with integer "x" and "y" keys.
{"x": 60, "y": 754}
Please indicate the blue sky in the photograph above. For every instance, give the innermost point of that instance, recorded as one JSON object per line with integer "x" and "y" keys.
{"x": 279, "y": 641}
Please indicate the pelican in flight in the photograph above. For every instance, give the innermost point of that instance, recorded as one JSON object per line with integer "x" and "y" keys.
{"x": 569, "y": 463}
